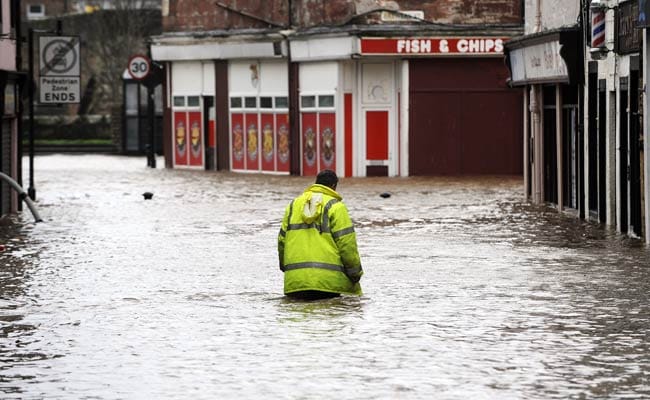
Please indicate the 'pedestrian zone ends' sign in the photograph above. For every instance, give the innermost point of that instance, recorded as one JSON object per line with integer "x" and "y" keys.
{"x": 59, "y": 69}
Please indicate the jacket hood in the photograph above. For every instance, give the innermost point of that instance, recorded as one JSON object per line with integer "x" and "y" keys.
{"x": 313, "y": 207}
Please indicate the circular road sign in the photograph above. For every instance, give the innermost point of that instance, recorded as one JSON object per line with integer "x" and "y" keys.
{"x": 139, "y": 66}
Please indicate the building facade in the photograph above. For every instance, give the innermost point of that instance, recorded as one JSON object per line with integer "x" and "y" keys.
{"x": 364, "y": 88}
{"x": 581, "y": 66}
{"x": 43, "y": 9}
{"x": 11, "y": 81}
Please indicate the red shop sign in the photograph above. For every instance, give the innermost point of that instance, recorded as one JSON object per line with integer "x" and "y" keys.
{"x": 433, "y": 46}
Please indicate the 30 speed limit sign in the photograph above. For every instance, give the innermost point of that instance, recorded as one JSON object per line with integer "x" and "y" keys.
{"x": 139, "y": 66}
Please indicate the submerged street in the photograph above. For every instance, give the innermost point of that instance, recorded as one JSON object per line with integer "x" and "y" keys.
{"x": 469, "y": 293}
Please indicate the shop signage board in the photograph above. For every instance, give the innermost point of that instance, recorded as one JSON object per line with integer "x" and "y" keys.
{"x": 434, "y": 46}
{"x": 628, "y": 36}
{"x": 539, "y": 63}
{"x": 59, "y": 70}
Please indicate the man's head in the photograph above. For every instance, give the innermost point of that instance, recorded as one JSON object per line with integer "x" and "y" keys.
{"x": 328, "y": 178}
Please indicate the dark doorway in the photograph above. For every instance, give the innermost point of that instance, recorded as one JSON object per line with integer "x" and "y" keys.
{"x": 602, "y": 155}
{"x": 571, "y": 150}
{"x": 593, "y": 140}
{"x": 550, "y": 145}
{"x": 136, "y": 123}
{"x": 581, "y": 153}
{"x": 623, "y": 164}
{"x": 635, "y": 149}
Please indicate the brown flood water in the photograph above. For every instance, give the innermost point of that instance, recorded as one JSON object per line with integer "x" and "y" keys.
{"x": 470, "y": 293}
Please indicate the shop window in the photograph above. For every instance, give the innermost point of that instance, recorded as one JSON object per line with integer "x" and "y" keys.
{"x": 235, "y": 102}
{"x": 266, "y": 102}
{"x": 282, "y": 102}
{"x": 308, "y": 101}
{"x": 193, "y": 101}
{"x": 35, "y": 11}
{"x": 326, "y": 101}
{"x": 179, "y": 101}
{"x": 10, "y": 99}
{"x": 250, "y": 102}
{"x": 131, "y": 99}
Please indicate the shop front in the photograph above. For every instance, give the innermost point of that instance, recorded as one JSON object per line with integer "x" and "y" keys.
{"x": 361, "y": 105}
{"x": 548, "y": 67}
{"x": 400, "y": 106}
{"x": 259, "y": 119}
{"x": 629, "y": 157}
{"x": 458, "y": 118}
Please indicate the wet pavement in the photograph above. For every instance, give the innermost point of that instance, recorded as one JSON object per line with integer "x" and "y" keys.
{"x": 469, "y": 293}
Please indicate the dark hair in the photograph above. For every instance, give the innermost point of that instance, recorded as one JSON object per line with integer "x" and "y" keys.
{"x": 328, "y": 178}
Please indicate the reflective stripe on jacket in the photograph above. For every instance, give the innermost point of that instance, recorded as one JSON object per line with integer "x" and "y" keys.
{"x": 317, "y": 245}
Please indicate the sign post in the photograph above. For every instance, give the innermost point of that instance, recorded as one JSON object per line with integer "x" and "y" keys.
{"x": 139, "y": 68}
{"x": 60, "y": 78}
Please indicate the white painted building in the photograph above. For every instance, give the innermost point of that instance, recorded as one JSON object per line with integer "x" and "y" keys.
{"x": 585, "y": 118}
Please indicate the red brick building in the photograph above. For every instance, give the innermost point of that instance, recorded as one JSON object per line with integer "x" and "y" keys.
{"x": 363, "y": 87}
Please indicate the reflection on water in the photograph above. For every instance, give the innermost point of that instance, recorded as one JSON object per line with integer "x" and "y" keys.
{"x": 469, "y": 293}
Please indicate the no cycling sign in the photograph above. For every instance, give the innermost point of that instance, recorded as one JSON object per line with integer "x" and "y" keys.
{"x": 59, "y": 69}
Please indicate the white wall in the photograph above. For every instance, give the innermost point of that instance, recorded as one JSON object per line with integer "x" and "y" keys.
{"x": 187, "y": 78}
{"x": 274, "y": 77}
{"x": 318, "y": 77}
{"x": 208, "y": 78}
{"x": 7, "y": 47}
{"x": 555, "y": 13}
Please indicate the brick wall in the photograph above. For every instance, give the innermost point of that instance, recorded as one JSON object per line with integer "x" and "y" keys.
{"x": 198, "y": 15}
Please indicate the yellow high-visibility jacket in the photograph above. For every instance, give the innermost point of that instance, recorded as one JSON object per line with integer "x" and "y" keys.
{"x": 317, "y": 244}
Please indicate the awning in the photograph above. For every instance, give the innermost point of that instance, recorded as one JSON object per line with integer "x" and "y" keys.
{"x": 547, "y": 57}
{"x": 219, "y": 45}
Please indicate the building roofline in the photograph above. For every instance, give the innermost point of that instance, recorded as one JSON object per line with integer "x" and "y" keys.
{"x": 384, "y": 30}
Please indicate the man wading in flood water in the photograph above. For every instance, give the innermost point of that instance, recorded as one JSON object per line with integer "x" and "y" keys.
{"x": 317, "y": 245}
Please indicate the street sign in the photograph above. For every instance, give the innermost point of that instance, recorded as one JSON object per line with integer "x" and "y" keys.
{"x": 59, "y": 55}
{"x": 139, "y": 66}
{"x": 60, "y": 89}
{"x": 59, "y": 69}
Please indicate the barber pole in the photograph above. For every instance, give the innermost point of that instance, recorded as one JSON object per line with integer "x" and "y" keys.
{"x": 597, "y": 28}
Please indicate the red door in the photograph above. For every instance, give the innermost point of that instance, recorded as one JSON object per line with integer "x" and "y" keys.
{"x": 252, "y": 143}
{"x": 237, "y": 141}
{"x": 268, "y": 142}
{"x": 196, "y": 146}
{"x": 282, "y": 121}
{"x": 181, "y": 150}
{"x": 309, "y": 144}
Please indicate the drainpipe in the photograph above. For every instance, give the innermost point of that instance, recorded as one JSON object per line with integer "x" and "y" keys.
{"x": 538, "y": 16}
{"x": 646, "y": 139}
{"x": 536, "y": 129}
{"x": 559, "y": 146}
{"x": 294, "y": 102}
{"x": 527, "y": 182}
{"x": 536, "y": 136}
{"x": 22, "y": 195}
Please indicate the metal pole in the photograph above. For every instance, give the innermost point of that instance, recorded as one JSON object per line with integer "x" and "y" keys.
{"x": 31, "y": 191}
{"x": 150, "y": 111}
